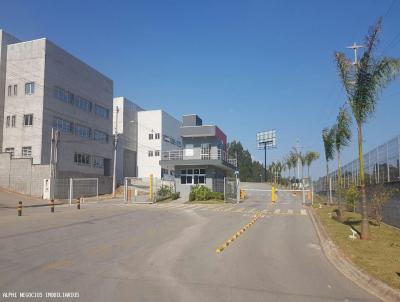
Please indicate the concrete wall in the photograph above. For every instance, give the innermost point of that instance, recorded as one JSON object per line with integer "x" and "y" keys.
{"x": 20, "y": 175}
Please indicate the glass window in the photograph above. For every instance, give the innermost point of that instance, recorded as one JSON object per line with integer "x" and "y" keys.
{"x": 28, "y": 119}
{"x": 183, "y": 171}
{"x": 189, "y": 179}
{"x": 8, "y": 119}
{"x": 83, "y": 104}
{"x": 100, "y": 136}
{"x": 30, "y": 88}
{"x": 150, "y": 153}
{"x": 63, "y": 125}
{"x": 101, "y": 111}
{"x": 13, "y": 120}
{"x": 10, "y": 150}
{"x": 202, "y": 179}
{"x": 26, "y": 151}
{"x": 150, "y": 136}
{"x": 15, "y": 89}
{"x": 63, "y": 95}
{"x": 157, "y": 153}
{"x": 202, "y": 171}
{"x": 157, "y": 136}
{"x": 196, "y": 171}
{"x": 9, "y": 90}
{"x": 190, "y": 171}
{"x": 183, "y": 179}
{"x": 193, "y": 176}
{"x": 98, "y": 162}
{"x": 82, "y": 159}
{"x": 83, "y": 131}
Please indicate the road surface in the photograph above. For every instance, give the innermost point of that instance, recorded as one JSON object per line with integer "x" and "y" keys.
{"x": 111, "y": 251}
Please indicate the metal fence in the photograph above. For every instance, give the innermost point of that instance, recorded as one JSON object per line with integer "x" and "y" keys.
{"x": 231, "y": 189}
{"x": 381, "y": 165}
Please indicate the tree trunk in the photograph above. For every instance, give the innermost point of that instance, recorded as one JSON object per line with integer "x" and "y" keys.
{"x": 365, "y": 234}
{"x": 327, "y": 181}
{"x": 339, "y": 187}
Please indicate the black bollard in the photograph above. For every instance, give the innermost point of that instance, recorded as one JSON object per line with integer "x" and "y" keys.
{"x": 52, "y": 206}
{"x": 78, "y": 204}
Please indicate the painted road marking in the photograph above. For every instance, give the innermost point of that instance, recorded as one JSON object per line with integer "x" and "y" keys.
{"x": 303, "y": 212}
{"x": 290, "y": 212}
{"x": 277, "y": 211}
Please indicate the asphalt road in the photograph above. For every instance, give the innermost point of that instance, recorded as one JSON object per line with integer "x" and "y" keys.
{"x": 111, "y": 251}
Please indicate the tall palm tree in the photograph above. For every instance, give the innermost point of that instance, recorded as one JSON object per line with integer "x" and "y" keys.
{"x": 363, "y": 84}
{"x": 288, "y": 165}
{"x": 342, "y": 139}
{"x": 328, "y": 137}
{"x": 310, "y": 157}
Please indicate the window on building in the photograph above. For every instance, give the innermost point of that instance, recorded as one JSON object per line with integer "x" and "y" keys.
{"x": 100, "y": 136}
{"x": 150, "y": 136}
{"x": 28, "y": 119}
{"x": 30, "y": 88}
{"x": 83, "y": 131}
{"x": 150, "y": 153}
{"x": 26, "y": 151}
{"x": 63, "y": 125}
{"x": 98, "y": 162}
{"x": 83, "y": 104}
{"x": 11, "y": 151}
{"x": 63, "y": 95}
{"x": 157, "y": 136}
{"x": 15, "y": 89}
{"x": 82, "y": 159}
{"x": 157, "y": 153}
{"x": 193, "y": 176}
{"x": 13, "y": 121}
{"x": 9, "y": 88}
{"x": 8, "y": 119}
{"x": 101, "y": 111}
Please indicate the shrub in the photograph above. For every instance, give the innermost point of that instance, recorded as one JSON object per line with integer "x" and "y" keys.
{"x": 352, "y": 197}
{"x": 164, "y": 191}
{"x": 201, "y": 193}
{"x": 175, "y": 195}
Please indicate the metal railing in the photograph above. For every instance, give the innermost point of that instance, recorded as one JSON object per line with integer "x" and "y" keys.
{"x": 211, "y": 154}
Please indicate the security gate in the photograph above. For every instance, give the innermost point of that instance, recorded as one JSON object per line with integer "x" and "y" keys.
{"x": 231, "y": 189}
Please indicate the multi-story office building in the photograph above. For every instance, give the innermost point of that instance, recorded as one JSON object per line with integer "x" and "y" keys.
{"x": 157, "y": 132}
{"x": 203, "y": 159}
{"x": 45, "y": 88}
{"x": 125, "y": 121}
{"x": 5, "y": 39}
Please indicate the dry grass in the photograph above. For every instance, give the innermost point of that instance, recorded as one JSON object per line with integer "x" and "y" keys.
{"x": 379, "y": 256}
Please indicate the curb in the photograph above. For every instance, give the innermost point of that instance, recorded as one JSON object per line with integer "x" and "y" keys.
{"x": 347, "y": 268}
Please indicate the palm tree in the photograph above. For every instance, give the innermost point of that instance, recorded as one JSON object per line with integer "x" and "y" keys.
{"x": 328, "y": 137}
{"x": 289, "y": 165}
{"x": 342, "y": 139}
{"x": 310, "y": 157}
{"x": 363, "y": 84}
{"x": 303, "y": 163}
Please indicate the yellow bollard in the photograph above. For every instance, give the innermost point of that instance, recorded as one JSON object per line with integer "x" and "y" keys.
{"x": 273, "y": 194}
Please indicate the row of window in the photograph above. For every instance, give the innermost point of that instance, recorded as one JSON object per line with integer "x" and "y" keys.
{"x": 80, "y": 102}
{"x": 11, "y": 120}
{"x": 155, "y": 153}
{"x": 12, "y": 90}
{"x": 193, "y": 176}
{"x": 79, "y": 130}
{"x": 154, "y": 136}
{"x": 25, "y": 151}
{"x": 88, "y": 160}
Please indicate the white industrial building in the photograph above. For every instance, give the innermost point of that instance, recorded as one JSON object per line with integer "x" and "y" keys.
{"x": 157, "y": 132}
{"x": 125, "y": 121}
{"x": 47, "y": 88}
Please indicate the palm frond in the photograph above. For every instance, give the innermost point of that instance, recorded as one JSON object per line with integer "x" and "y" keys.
{"x": 345, "y": 72}
{"x": 328, "y": 135}
{"x": 342, "y": 129}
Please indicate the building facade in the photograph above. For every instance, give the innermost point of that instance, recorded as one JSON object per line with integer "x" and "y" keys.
{"x": 125, "y": 124}
{"x": 5, "y": 40}
{"x": 47, "y": 88}
{"x": 203, "y": 160}
{"x": 157, "y": 132}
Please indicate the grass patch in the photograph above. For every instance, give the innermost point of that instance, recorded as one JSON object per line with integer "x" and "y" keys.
{"x": 379, "y": 256}
{"x": 210, "y": 201}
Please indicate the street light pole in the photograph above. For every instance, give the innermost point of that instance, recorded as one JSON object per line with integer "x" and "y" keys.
{"x": 265, "y": 162}
{"x": 115, "y": 151}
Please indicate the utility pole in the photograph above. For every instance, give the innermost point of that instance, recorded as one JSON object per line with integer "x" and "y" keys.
{"x": 355, "y": 48}
{"x": 115, "y": 150}
{"x": 297, "y": 148}
{"x": 265, "y": 161}
{"x": 56, "y": 142}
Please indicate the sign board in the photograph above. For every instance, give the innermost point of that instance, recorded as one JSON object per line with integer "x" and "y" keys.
{"x": 266, "y": 139}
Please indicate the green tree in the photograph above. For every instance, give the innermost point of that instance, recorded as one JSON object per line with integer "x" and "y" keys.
{"x": 342, "y": 139}
{"x": 328, "y": 137}
{"x": 363, "y": 84}
{"x": 310, "y": 157}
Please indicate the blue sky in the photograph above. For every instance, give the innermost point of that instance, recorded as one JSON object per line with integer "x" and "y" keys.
{"x": 244, "y": 65}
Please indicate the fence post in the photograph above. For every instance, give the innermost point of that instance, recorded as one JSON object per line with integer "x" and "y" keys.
{"x": 224, "y": 190}
{"x": 330, "y": 190}
{"x": 70, "y": 190}
{"x": 19, "y": 208}
{"x": 97, "y": 189}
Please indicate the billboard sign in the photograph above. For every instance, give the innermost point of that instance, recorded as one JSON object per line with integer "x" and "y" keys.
{"x": 266, "y": 139}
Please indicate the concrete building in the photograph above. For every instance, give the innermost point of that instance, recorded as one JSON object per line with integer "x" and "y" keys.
{"x": 45, "y": 88}
{"x": 125, "y": 121}
{"x": 5, "y": 39}
{"x": 157, "y": 132}
{"x": 203, "y": 159}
